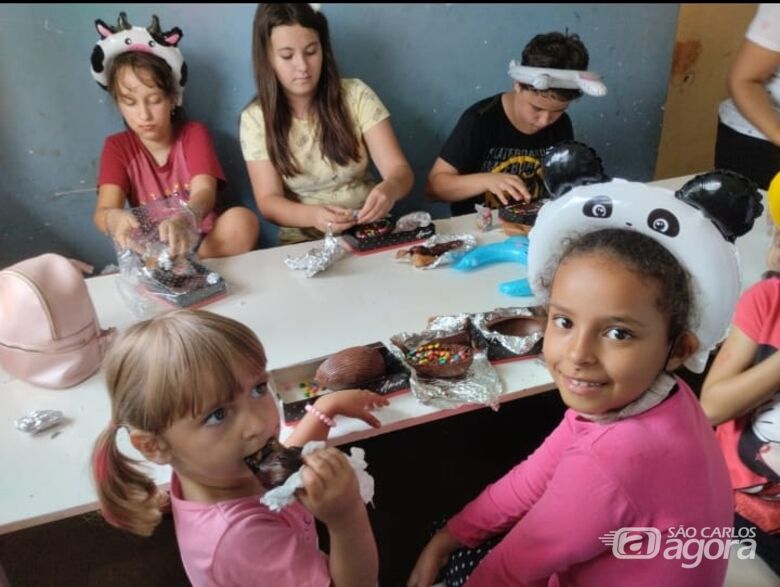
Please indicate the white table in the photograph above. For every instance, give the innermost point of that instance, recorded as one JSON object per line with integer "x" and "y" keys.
{"x": 361, "y": 299}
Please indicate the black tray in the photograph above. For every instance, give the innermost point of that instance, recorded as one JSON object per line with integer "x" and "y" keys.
{"x": 386, "y": 240}
{"x": 285, "y": 382}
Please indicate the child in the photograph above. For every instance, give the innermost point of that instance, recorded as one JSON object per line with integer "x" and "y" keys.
{"x": 191, "y": 389}
{"x": 497, "y": 145}
{"x": 160, "y": 155}
{"x": 740, "y": 396}
{"x": 634, "y": 449}
{"x": 308, "y": 135}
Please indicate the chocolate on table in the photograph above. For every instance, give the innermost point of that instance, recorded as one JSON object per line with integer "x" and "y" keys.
{"x": 516, "y": 325}
{"x": 350, "y": 368}
{"x": 373, "y": 229}
{"x": 518, "y": 218}
{"x": 274, "y": 463}
{"x": 423, "y": 256}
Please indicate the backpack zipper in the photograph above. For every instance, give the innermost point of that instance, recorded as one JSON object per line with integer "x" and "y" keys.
{"x": 71, "y": 347}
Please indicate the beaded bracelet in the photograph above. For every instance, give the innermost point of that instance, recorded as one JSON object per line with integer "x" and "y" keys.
{"x": 328, "y": 421}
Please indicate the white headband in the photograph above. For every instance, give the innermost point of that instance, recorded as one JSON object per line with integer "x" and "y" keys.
{"x": 544, "y": 78}
{"x": 124, "y": 37}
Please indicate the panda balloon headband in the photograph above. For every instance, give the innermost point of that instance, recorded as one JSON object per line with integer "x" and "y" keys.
{"x": 544, "y": 78}
{"x": 697, "y": 224}
{"x": 123, "y": 38}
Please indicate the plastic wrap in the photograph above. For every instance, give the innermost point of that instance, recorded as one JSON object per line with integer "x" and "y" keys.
{"x": 151, "y": 280}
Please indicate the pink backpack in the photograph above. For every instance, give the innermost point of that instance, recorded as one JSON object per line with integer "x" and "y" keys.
{"x": 49, "y": 332}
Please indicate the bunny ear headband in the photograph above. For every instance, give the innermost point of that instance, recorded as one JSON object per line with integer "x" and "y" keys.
{"x": 544, "y": 78}
{"x": 698, "y": 224}
{"x": 124, "y": 37}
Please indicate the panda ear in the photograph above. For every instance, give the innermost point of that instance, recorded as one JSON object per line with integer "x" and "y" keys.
{"x": 730, "y": 200}
{"x": 570, "y": 164}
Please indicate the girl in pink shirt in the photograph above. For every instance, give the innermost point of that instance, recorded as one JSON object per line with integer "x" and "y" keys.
{"x": 191, "y": 389}
{"x": 160, "y": 156}
{"x": 634, "y": 458}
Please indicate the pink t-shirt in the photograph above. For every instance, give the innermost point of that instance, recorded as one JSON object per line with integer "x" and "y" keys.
{"x": 241, "y": 543}
{"x": 127, "y": 163}
{"x": 661, "y": 469}
{"x": 757, "y": 493}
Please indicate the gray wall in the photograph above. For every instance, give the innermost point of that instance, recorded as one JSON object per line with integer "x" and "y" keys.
{"x": 428, "y": 63}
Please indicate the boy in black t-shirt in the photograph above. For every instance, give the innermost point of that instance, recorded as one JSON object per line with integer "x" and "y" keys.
{"x": 493, "y": 154}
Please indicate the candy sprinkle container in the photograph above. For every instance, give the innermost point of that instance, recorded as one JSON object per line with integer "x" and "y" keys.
{"x": 439, "y": 360}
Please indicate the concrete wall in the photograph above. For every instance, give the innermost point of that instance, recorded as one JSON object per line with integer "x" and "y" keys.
{"x": 428, "y": 62}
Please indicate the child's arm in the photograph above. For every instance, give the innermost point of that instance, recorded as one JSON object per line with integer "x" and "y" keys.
{"x": 354, "y": 403}
{"x": 445, "y": 183}
{"x": 397, "y": 176}
{"x": 331, "y": 495}
{"x": 268, "y": 190}
{"x": 177, "y": 231}
{"x": 433, "y": 558}
{"x": 111, "y": 218}
{"x": 733, "y": 385}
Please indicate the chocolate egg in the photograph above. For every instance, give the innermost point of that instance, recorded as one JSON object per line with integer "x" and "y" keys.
{"x": 350, "y": 367}
{"x": 516, "y": 326}
{"x": 274, "y": 463}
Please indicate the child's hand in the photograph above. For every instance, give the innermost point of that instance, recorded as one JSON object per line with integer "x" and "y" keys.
{"x": 377, "y": 205}
{"x": 120, "y": 224}
{"x": 330, "y": 487}
{"x": 506, "y": 187}
{"x": 332, "y": 218}
{"x": 433, "y": 557}
{"x": 179, "y": 235}
{"x": 354, "y": 403}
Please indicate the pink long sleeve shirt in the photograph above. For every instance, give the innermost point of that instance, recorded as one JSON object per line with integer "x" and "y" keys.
{"x": 661, "y": 469}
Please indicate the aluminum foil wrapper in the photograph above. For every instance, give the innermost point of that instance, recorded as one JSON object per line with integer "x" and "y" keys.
{"x": 469, "y": 242}
{"x": 480, "y": 384}
{"x": 519, "y": 345}
{"x": 412, "y": 221}
{"x": 317, "y": 259}
{"x": 39, "y": 420}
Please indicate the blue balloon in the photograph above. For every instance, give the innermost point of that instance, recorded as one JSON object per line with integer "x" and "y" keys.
{"x": 513, "y": 249}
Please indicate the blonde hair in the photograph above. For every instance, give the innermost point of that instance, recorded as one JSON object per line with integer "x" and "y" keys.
{"x": 158, "y": 371}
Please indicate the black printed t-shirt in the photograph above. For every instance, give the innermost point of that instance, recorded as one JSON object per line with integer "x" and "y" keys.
{"x": 485, "y": 140}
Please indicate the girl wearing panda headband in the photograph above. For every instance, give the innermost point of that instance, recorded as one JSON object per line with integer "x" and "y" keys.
{"x": 638, "y": 281}
{"x": 160, "y": 156}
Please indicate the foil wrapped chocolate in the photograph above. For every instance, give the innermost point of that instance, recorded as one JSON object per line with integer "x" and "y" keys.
{"x": 39, "y": 420}
{"x": 317, "y": 259}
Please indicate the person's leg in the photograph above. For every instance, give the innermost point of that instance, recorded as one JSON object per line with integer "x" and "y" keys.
{"x": 754, "y": 158}
{"x": 235, "y": 232}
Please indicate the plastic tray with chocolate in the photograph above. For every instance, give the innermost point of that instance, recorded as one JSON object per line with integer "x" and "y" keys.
{"x": 196, "y": 286}
{"x": 382, "y": 235}
{"x": 520, "y": 217}
{"x": 300, "y": 384}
